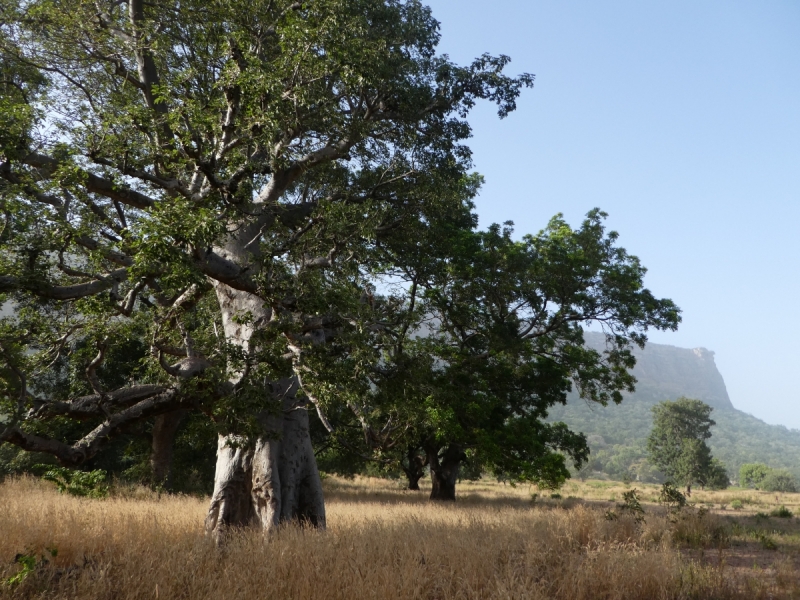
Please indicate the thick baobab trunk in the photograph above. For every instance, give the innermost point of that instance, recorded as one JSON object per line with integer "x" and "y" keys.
{"x": 269, "y": 480}
{"x": 163, "y": 446}
{"x": 415, "y": 469}
{"x": 444, "y": 472}
{"x": 273, "y": 478}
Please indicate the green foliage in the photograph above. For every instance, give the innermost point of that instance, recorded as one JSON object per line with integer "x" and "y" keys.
{"x": 767, "y": 542}
{"x": 632, "y": 505}
{"x": 779, "y": 480}
{"x": 334, "y": 142}
{"x": 28, "y": 564}
{"x": 486, "y": 354}
{"x": 781, "y": 512}
{"x": 89, "y": 484}
{"x": 671, "y": 497}
{"x": 752, "y": 474}
{"x": 677, "y": 443}
{"x": 717, "y": 476}
{"x": 737, "y": 504}
{"x": 762, "y": 477}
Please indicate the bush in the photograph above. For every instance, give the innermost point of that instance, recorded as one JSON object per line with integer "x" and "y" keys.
{"x": 779, "y": 480}
{"x": 90, "y": 484}
{"x": 632, "y": 505}
{"x": 767, "y": 542}
{"x": 737, "y": 504}
{"x": 671, "y": 497}
{"x": 782, "y": 513}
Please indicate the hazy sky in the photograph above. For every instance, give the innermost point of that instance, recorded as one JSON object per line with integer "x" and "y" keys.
{"x": 682, "y": 121}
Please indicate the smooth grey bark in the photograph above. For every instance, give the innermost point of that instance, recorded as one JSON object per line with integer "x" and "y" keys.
{"x": 444, "y": 472}
{"x": 269, "y": 480}
{"x": 274, "y": 478}
{"x": 162, "y": 449}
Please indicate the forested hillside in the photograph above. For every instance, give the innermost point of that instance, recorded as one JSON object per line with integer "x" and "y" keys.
{"x": 617, "y": 434}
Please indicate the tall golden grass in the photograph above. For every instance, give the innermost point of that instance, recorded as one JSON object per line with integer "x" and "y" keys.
{"x": 380, "y": 543}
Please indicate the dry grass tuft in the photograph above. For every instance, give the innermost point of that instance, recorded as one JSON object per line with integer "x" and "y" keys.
{"x": 381, "y": 543}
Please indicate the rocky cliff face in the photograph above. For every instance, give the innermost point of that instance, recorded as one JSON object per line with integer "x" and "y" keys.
{"x": 668, "y": 372}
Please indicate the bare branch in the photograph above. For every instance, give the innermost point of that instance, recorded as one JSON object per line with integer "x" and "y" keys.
{"x": 111, "y": 255}
{"x": 296, "y": 352}
{"x": 87, "y": 447}
{"x": 99, "y": 185}
{"x": 9, "y": 283}
{"x": 85, "y": 407}
{"x": 91, "y": 370}
{"x": 126, "y": 308}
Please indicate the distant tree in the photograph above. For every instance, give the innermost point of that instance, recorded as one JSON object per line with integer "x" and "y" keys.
{"x": 677, "y": 443}
{"x": 779, "y": 480}
{"x": 752, "y": 474}
{"x": 717, "y": 475}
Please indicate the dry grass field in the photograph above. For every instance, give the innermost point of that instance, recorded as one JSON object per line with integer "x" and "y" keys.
{"x": 383, "y": 542}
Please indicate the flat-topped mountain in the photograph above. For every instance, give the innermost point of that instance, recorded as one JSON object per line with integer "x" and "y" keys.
{"x": 668, "y": 372}
{"x": 617, "y": 433}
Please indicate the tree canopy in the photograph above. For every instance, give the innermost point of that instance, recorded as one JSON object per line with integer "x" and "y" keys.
{"x": 762, "y": 477}
{"x": 496, "y": 340}
{"x": 677, "y": 443}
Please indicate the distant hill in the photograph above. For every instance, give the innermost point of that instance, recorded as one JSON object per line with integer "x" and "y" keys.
{"x": 617, "y": 434}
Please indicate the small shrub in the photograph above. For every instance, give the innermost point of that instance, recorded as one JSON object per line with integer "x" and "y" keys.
{"x": 767, "y": 542}
{"x": 632, "y": 505}
{"x": 29, "y": 563}
{"x": 761, "y": 515}
{"x": 556, "y": 496}
{"x": 782, "y": 513}
{"x": 534, "y": 497}
{"x": 671, "y": 497}
{"x": 737, "y": 504}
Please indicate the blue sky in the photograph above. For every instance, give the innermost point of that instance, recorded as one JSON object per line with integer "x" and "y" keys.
{"x": 682, "y": 121}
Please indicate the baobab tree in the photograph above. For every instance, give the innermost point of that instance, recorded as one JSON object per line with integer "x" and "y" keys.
{"x": 278, "y": 157}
